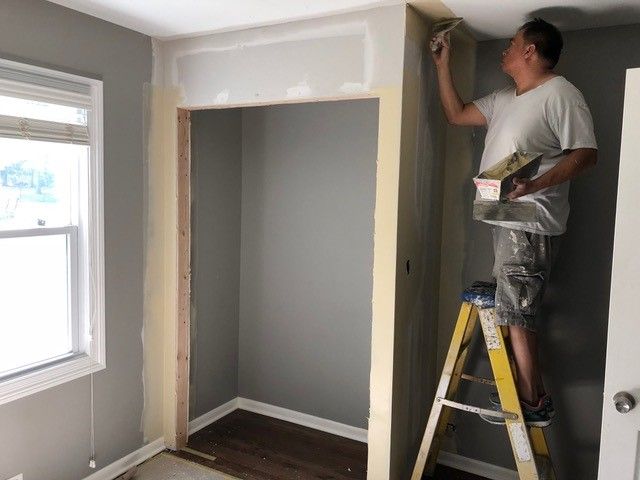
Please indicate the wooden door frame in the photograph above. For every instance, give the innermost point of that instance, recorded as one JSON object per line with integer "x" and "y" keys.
{"x": 183, "y": 313}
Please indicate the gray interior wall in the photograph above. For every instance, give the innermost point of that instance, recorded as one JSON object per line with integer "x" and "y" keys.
{"x": 216, "y": 176}
{"x": 46, "y": 435}
{"x": 418, "y": 256}
{"x": 573, "y": 335}
{"x": 308, "y": 193}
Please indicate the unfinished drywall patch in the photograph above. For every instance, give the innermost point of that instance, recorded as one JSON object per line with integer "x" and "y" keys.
{"x": 160, "y": 300}
{"x": 384, "y": 267}
{"x": 296, "y": 77}
{"x": 320, "y": 58}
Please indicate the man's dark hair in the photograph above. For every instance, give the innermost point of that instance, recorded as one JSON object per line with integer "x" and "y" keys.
{"x": 546, "y": 37}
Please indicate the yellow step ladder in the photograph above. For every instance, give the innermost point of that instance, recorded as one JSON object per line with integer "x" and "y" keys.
{"x": 529, "y": 445}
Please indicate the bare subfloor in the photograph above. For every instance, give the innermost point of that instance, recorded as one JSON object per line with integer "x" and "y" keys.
{"x": 166, "y": 466}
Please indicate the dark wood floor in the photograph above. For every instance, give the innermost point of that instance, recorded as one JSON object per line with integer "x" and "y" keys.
{"x": 255, "y": 447}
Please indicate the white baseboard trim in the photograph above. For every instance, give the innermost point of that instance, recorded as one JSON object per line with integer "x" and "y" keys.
{"x": 476, "y": 467}
{"x": 127, "y": 462}
{"x": 208, "y": 418}
{"x": 347, "y": 431}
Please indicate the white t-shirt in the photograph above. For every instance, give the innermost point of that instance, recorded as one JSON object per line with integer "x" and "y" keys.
{"x": 549, "y": 119}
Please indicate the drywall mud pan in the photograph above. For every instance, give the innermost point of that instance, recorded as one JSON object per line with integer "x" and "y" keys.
{"x": 496, "y": 182}
{"x": 504, "y": 211}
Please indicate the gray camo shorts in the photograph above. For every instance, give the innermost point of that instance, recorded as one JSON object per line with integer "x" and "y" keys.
{"x": 521, "y": 269}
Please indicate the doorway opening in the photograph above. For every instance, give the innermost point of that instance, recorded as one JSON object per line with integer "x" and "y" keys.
{"x": 278, "y": 238}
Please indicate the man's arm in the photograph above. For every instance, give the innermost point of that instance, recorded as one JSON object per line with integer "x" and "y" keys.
{"x": 574, "y": 163}
{"x": 456, "y": 111}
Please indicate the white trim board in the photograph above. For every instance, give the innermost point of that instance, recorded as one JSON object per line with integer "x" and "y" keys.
{"x": 324, "y": 425}
{"x": 127, "y": 462}
{"x": 208, "y": 418}
{"x": 476, "y": 467}
{"x": 317, "y": 423}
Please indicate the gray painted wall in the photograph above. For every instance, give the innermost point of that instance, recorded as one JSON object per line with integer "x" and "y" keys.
{"x": 46, "y": 435}
{"x": 306, "y": 258}
{"x": 422, "y": 155}
{"x": 308, "y": 193}
{"x": 574, "y": 335}
{"x": 216, "y": 141}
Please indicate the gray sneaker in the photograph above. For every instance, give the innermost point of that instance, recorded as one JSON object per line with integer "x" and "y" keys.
{"x": 494, "y": 398}
{"x": 538, "y": 417}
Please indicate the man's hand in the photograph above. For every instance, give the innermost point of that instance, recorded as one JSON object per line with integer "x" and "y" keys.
{"x": 524, "y": 186}
{"x": 442, "y": 54}
{"x": 456, "y": 111}
{"x": 571, "y": 165}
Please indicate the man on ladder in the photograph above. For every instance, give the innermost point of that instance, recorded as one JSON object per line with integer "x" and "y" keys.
{"x": 541, "y": 113}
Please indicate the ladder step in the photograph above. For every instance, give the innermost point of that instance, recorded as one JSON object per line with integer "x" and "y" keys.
{"x": 477, "y": 410}
{"x": 471, "y": 378}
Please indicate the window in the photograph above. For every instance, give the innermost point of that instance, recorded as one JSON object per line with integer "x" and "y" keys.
{"x": 51, "y": 229}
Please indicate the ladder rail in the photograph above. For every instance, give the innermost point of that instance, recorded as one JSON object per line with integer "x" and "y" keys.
{"x": 541, "y": 449}
{"x": 447, "y": 387}
{"x": 503, "y": 373}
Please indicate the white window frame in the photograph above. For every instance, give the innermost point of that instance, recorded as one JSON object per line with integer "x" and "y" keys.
{"x": 47, "y": 85}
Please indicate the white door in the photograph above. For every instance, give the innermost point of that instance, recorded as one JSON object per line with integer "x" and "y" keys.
{"x": 619, "y": 448}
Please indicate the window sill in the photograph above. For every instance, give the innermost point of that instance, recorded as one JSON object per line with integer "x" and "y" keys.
{"x": 46, "y": 377}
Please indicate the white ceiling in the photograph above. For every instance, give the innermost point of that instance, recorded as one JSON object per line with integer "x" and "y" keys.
{"x": 485, "y": 18}
{"x": 501, "y": 18}
{"x": 177, "y": 18}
